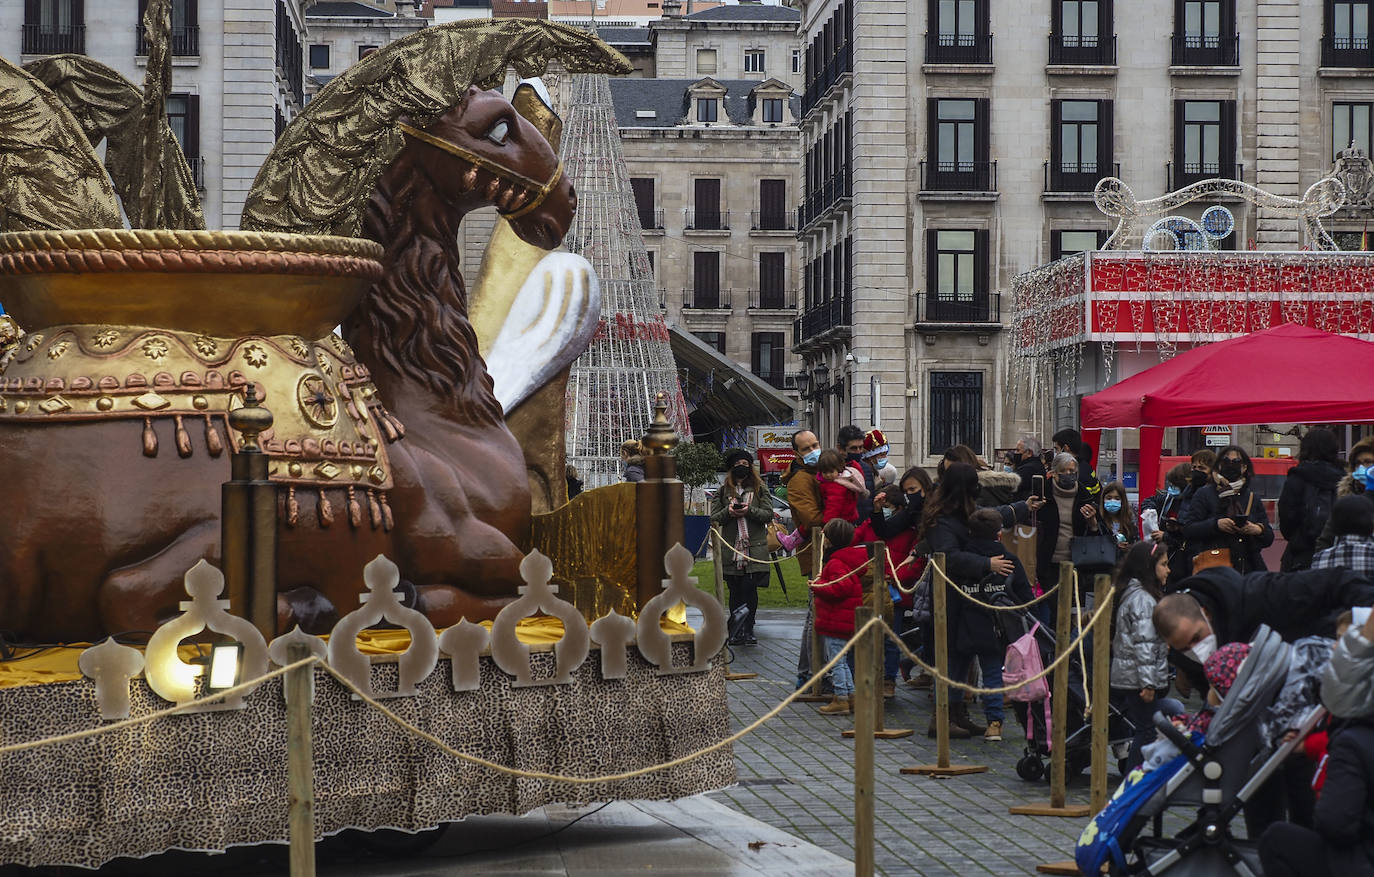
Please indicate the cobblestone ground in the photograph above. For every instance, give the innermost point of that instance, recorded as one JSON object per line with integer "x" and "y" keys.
{"x": 796, "y": 774}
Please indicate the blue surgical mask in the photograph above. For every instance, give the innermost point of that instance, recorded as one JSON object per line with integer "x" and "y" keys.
{"x": 1112, "y": 506}
{"x": 888, "y": 512}
{"x": 1172, "y": 491}
{"x": 1360, "y": 471}
{"x": 810, "y": 457}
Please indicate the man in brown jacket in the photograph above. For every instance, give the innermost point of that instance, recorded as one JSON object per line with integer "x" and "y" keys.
{"x": 804, "y": 496}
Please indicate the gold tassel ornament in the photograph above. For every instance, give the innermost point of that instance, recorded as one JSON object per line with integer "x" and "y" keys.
{"x": 183, "y": 439}
{"x": 326, "y": 511}
{"x": 387, "y": 521}
{"x": 212, "y": 439}
{"x": 355, "y": 511}
{"x": 293, "y": 507}
{"x": 374, "y": 509}
{"x": 149, "y": 438}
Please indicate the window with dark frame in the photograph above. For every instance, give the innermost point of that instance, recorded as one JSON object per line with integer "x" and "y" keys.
{"x": 754, "y": 60}
{"x": 767, "y": 352}
{"x": 773, "y": 205}
{"x": 1081, "y": 152}
{"x": 364, "y": 51}
{"x": 1345, "y": 35}
{"x": 1204, "y": 140}
{"x": 319, "y": 56}
{"x": 1350, "y": 124}
{"x": 705, "y": 279}
{"x": 714, "y": 339}
{"x": 1078, "y": 23}
{"x": 1205, "y": 33}
{"x": 958, "y": 32}
{"x": 645, "y": 203}
{"x": 956, "y": 276}
{"x": 956, "y": 411}
{"x": 706, "y": 109}
{"x": 772, "y": 281}
{"x": 796, "y": 60}
{"x": 183, "y": 117}
{"x": 54, "y": 27}
{"x": 185, "y": 29}
{"x": 772, "y": 110}
{"x": 1081, "y": 32}
{"x": 958, "y": 147}
{"x": 706, "y": 204}
{"x": 1067, "y": 242}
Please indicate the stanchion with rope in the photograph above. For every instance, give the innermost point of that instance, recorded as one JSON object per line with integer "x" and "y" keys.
{"x": 868, "y": 703}
{"x": 1059, "y": 697}
{"x": 817, "y": 560}
{"x": 1102, "y": 673}
{"x": 879, "y": 601}
{"x": 718, "y": 564}
{"x": 939, "y": 624}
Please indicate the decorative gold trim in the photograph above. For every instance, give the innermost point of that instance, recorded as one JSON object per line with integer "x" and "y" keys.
{"x": 179, "y": 239}
{"x": 541, "y": 190}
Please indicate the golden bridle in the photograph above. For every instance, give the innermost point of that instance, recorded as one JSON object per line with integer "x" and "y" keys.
{"x": 541, "y": 190}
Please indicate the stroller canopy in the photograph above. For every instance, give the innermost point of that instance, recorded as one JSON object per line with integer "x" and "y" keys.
{"x": 1257, "y": 684}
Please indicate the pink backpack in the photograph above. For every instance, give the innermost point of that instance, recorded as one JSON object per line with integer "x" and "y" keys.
{"x": 1021, "y": 663}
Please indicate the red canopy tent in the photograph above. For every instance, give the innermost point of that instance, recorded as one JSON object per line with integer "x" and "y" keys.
{"x": 1288, "y": 374}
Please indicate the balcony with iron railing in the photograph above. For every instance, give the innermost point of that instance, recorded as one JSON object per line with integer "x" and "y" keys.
{"x": 696, "y": 219}
{"x": 185, "y": 41}
{"x": 197, "y": 164}
{"x": 38, "y": 39}
{"x": 772, "y": 300}
{"x": 981, "y": 310}
{"x": 834, "y": 190}
{"x": 958, "y": 48}
{"x": 651, "y": 221}
{"x": 1190, "y": 172}
{"x": 707, "y": 299}
{"x": 1346, "y": 51}
{"x": 958, "y": 176}
{"x": 836, "y": 68}
{"x": 1082, "y": 50}
{"x": 827, "y": 316}
{"x": 775, "y": 379}
{"x": 772, "y": 220}
{"x": 1077, "y": 178}
{"x": 1199, "y": 50}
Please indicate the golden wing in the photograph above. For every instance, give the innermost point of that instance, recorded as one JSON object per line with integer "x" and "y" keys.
{"x": 325, "y": 166}
{"x": 108, "y": 107}
{"x": 50, "y": 177}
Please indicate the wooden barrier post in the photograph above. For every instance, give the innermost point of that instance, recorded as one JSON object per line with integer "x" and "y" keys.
{"x": 718, "y": 554}
{"x": 1102, "y": 672}
{"x": 1059, "y": 705}
{"x": 300, "y": 766}
{"x": 865, "y": 692}
{"x": 817, "y": 648}
{"x": 939, "y": 622}
{"x": 879, "y": 601}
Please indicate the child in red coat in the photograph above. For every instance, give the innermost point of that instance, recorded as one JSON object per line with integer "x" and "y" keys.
{"x": 841, "y": 484}
{"x": 838, "y": 594}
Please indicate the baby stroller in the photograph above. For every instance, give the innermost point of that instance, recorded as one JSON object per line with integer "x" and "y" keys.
{"x": 1035, "y": 717}
{"x": 1211, "y": 782}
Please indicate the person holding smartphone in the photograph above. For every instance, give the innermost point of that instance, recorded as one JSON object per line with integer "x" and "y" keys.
{"x": 1227, "y": 514}
{"x": 742, "y": 510}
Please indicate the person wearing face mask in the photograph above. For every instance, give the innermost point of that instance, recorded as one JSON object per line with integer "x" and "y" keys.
{"x": 1361, "y": 462}
{"x": 995, "y": 487}
{"x": 1167, "y": 506}
{"x": 1308, "y": 493}
{"x": 1070, "y": 510}
{"x": 896, "y": 520}
{"x": 1227, "y": 514}
{"x": 804, "y": 499}
{"x": 1118, "y": 518}
{"x": 876, "y": 455}
{"x": 849, "y": 441}
{"x": 742, "y": 510}
{"x": 1027, "y": 465}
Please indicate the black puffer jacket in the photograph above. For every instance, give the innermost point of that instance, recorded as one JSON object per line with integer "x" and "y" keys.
{"x": 1344, "y": 815}
{"x": 1305, "y": 503}
{"x": 973, "y": 629}
{"x": 1202, "y": 533}
{"x": 1349, "y": 485}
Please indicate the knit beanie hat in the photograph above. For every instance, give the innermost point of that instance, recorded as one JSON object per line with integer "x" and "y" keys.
{"x": 736, "y": 455}
{"x": 875, "y": 443}
{"x": 1223, "y": 665}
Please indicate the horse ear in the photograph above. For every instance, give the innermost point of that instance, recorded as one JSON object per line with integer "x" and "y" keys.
{"x": 531, "y": 100}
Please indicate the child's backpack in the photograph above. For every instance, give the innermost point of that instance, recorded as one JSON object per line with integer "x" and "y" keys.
{"x": 1021, "y": 665}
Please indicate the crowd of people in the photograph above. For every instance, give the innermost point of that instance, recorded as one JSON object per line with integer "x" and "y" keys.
{"x": 1190, "y": 574}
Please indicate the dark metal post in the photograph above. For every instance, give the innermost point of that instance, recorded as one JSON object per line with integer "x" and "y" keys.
{"x": 248, "y": 523}
{"x": 658, "y": 503}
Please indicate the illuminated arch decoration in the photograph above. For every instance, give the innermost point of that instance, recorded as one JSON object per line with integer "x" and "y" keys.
{"x": 1115, "y": 199}
{"x": 1181, "y": 233}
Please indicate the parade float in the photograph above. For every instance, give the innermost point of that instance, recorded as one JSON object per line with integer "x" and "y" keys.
{"x": 197, "y": 467}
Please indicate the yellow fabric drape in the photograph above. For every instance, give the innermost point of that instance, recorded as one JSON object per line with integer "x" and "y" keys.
{"x": 59, "y": 664}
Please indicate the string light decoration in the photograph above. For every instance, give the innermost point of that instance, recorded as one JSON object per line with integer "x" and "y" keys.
{"x": 1165, "y": 284}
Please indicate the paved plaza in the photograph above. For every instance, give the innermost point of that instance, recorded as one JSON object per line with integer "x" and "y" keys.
{"x": 796, "y": 774}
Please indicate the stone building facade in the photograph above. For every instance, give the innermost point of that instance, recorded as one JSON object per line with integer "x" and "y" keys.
{"x": 950, "y": 146}
{"x": 341, "y": 33}
{"x": 714, "y": 161}
{"x": 237, "y": 75}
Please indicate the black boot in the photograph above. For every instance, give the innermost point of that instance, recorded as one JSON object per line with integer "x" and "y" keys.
{"x": 959, "y": 717}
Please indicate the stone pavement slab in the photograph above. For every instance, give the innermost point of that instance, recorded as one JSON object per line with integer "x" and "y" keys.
{"x": 796, "y": 774}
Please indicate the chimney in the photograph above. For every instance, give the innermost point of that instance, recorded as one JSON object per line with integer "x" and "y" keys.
{"x": 672, "y": 8}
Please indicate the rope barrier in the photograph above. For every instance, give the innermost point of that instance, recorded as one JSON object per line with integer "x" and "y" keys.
{"x": 1082, "y": 659}
{"x": 1068, "y": 652}
{"x": 143, "y": 720}
{"x": 972, "y": 599}
{"x": 720, "y": 537}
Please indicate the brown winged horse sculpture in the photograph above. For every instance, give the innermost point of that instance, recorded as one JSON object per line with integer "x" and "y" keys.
{"x": 95, "y": 539}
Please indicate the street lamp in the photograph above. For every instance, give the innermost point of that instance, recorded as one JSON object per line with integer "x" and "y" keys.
{"x": 803, "y": 383}
{"x": 821, "y": 374}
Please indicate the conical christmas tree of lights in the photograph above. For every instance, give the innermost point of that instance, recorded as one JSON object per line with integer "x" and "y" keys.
{"x": 613, "y": 385}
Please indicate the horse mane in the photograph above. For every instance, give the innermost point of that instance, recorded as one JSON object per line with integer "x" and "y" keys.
{"x": 417, "y": 313}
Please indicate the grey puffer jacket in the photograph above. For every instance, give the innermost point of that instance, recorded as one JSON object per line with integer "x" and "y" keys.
{"x": 1140, "y": 659}
{"x": 1348, "y": 681}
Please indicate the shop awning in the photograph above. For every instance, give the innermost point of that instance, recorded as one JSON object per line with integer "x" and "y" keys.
{"x": 722, "y": 395}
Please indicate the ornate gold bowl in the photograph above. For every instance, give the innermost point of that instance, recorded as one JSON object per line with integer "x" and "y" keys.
{"x": 223, "y": 283}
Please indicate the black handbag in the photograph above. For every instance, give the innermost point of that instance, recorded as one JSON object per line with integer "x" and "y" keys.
{"x": 1093, "y": 553}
